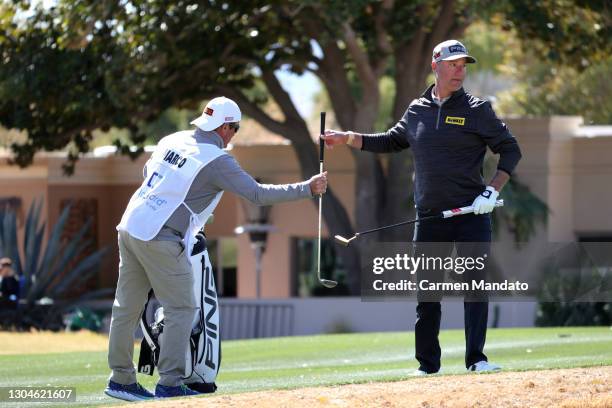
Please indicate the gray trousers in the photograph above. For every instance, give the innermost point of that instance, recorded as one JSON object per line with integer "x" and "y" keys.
{"x": 163, "y": 266}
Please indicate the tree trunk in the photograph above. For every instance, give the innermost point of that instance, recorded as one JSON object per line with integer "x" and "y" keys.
{"x": 335, "y": 215}
{"x": 369, "y": 187}
{"x": 379, "y": 199}
{"x": 399, "y": 199}
{"x": 295, "y": 130}
{"x": 399, "y": 202}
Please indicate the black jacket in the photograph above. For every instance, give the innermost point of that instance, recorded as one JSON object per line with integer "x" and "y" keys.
{"x": 449, "y": 143}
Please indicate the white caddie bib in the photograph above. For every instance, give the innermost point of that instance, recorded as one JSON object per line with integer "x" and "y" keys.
{"x": 173, "y": 166}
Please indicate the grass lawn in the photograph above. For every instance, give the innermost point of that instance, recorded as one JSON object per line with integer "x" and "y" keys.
{"x": 295, "y": 362}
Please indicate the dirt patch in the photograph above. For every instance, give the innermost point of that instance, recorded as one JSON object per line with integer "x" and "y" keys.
{"x": 567, "y": 388}
{"x": 50, "y": 342}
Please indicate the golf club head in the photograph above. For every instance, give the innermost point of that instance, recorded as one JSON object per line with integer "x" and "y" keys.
{"x": 343, "y": 241}
{"x": 328, "y": 283}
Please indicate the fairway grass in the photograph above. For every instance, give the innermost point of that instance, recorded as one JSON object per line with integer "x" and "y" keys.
{"x": 298, "y": 362}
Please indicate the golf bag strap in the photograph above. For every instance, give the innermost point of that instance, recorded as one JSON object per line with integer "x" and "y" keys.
{"x": 146, "y": 330}
{"x": 149, "y": 348}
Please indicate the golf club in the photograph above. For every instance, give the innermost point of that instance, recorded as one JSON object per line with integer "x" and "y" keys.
{"x": 325, "y": 282}
{"x": 444, "y": 214}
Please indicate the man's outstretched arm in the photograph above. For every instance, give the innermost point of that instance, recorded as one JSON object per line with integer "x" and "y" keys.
{"x": 227, "y": 175}
{"x": 393, "y": 140}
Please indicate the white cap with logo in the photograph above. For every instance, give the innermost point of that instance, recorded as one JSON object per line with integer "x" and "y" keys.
{"x": 451, "y": 50}
{"x": 218, "y": 111}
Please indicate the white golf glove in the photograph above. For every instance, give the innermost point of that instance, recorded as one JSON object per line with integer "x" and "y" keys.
{"x": 485, "y": 202}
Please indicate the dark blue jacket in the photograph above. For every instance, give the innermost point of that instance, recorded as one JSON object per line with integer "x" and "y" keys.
{"x": 449, "y": 143}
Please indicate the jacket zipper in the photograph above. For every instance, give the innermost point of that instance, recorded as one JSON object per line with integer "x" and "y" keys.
{"x": 438, "y": 120}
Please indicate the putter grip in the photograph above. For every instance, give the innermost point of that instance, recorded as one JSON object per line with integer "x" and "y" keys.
{"x": 321, "y": 141}
{"x": 465, "y": 210}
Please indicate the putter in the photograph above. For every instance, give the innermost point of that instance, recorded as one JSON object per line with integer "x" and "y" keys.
{"x": 444, "y": 214}
{"x": 325, "y": 282}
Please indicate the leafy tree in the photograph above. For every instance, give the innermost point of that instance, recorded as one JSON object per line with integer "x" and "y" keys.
{"x": 531, "y": 85}
{"x": 547, "y": 90}
{"x": 561, "y": 32}
{"x": 89, "y": 64}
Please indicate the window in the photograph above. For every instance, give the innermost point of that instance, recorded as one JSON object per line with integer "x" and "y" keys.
{"x": 304, "y": 281}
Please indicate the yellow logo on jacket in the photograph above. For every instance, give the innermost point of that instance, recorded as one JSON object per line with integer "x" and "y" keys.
{"x": 454, "y": 120}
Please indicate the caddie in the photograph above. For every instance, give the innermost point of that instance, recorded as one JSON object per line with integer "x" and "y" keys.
{"x": 183, "y": 182}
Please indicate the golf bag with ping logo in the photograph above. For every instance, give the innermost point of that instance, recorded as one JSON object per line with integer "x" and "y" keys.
{"x": 203, "y": 356}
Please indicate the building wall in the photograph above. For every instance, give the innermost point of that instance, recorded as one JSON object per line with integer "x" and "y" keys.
{"x": 570, "y": 174}
{"x": 591, "y": 184}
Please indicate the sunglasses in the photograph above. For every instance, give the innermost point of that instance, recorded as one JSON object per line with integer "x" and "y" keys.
{"x": 5, "y": 264}
{"x": 235, "y": 126}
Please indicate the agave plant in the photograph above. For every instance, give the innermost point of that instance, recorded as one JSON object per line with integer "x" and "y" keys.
{"x": 522, "y": 212}
{"x": 47, "y": 274}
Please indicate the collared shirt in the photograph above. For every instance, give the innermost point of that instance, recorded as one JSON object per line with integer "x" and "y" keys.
{"x": 224, "y": 173}
{"x": 437, "y": 100}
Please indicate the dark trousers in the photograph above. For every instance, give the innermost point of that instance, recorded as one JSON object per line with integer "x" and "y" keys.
{"x": 470, "y": 235}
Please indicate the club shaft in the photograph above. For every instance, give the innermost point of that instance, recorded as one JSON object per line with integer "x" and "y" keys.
{"x": 321, "y": 141}
{"x": 399, "y": 224}
{"x": 321, "y": 157}
{"x": 320, "y": 222}
{"x": 449, "y": 213}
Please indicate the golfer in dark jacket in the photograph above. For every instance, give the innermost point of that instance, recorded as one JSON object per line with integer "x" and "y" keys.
{"x": 448, "y": 131}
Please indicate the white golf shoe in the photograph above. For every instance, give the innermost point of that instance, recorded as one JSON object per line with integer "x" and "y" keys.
{"x": 421, "y": 373}
{"x": 483, "y": 367}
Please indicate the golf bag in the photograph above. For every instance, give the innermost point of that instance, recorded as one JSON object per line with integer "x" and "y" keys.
{"x": 203, "y": 356}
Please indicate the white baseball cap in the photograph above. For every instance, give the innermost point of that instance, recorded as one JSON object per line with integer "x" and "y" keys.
{"x": 451, "y": 50}
{"x": 218, "y": 111}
